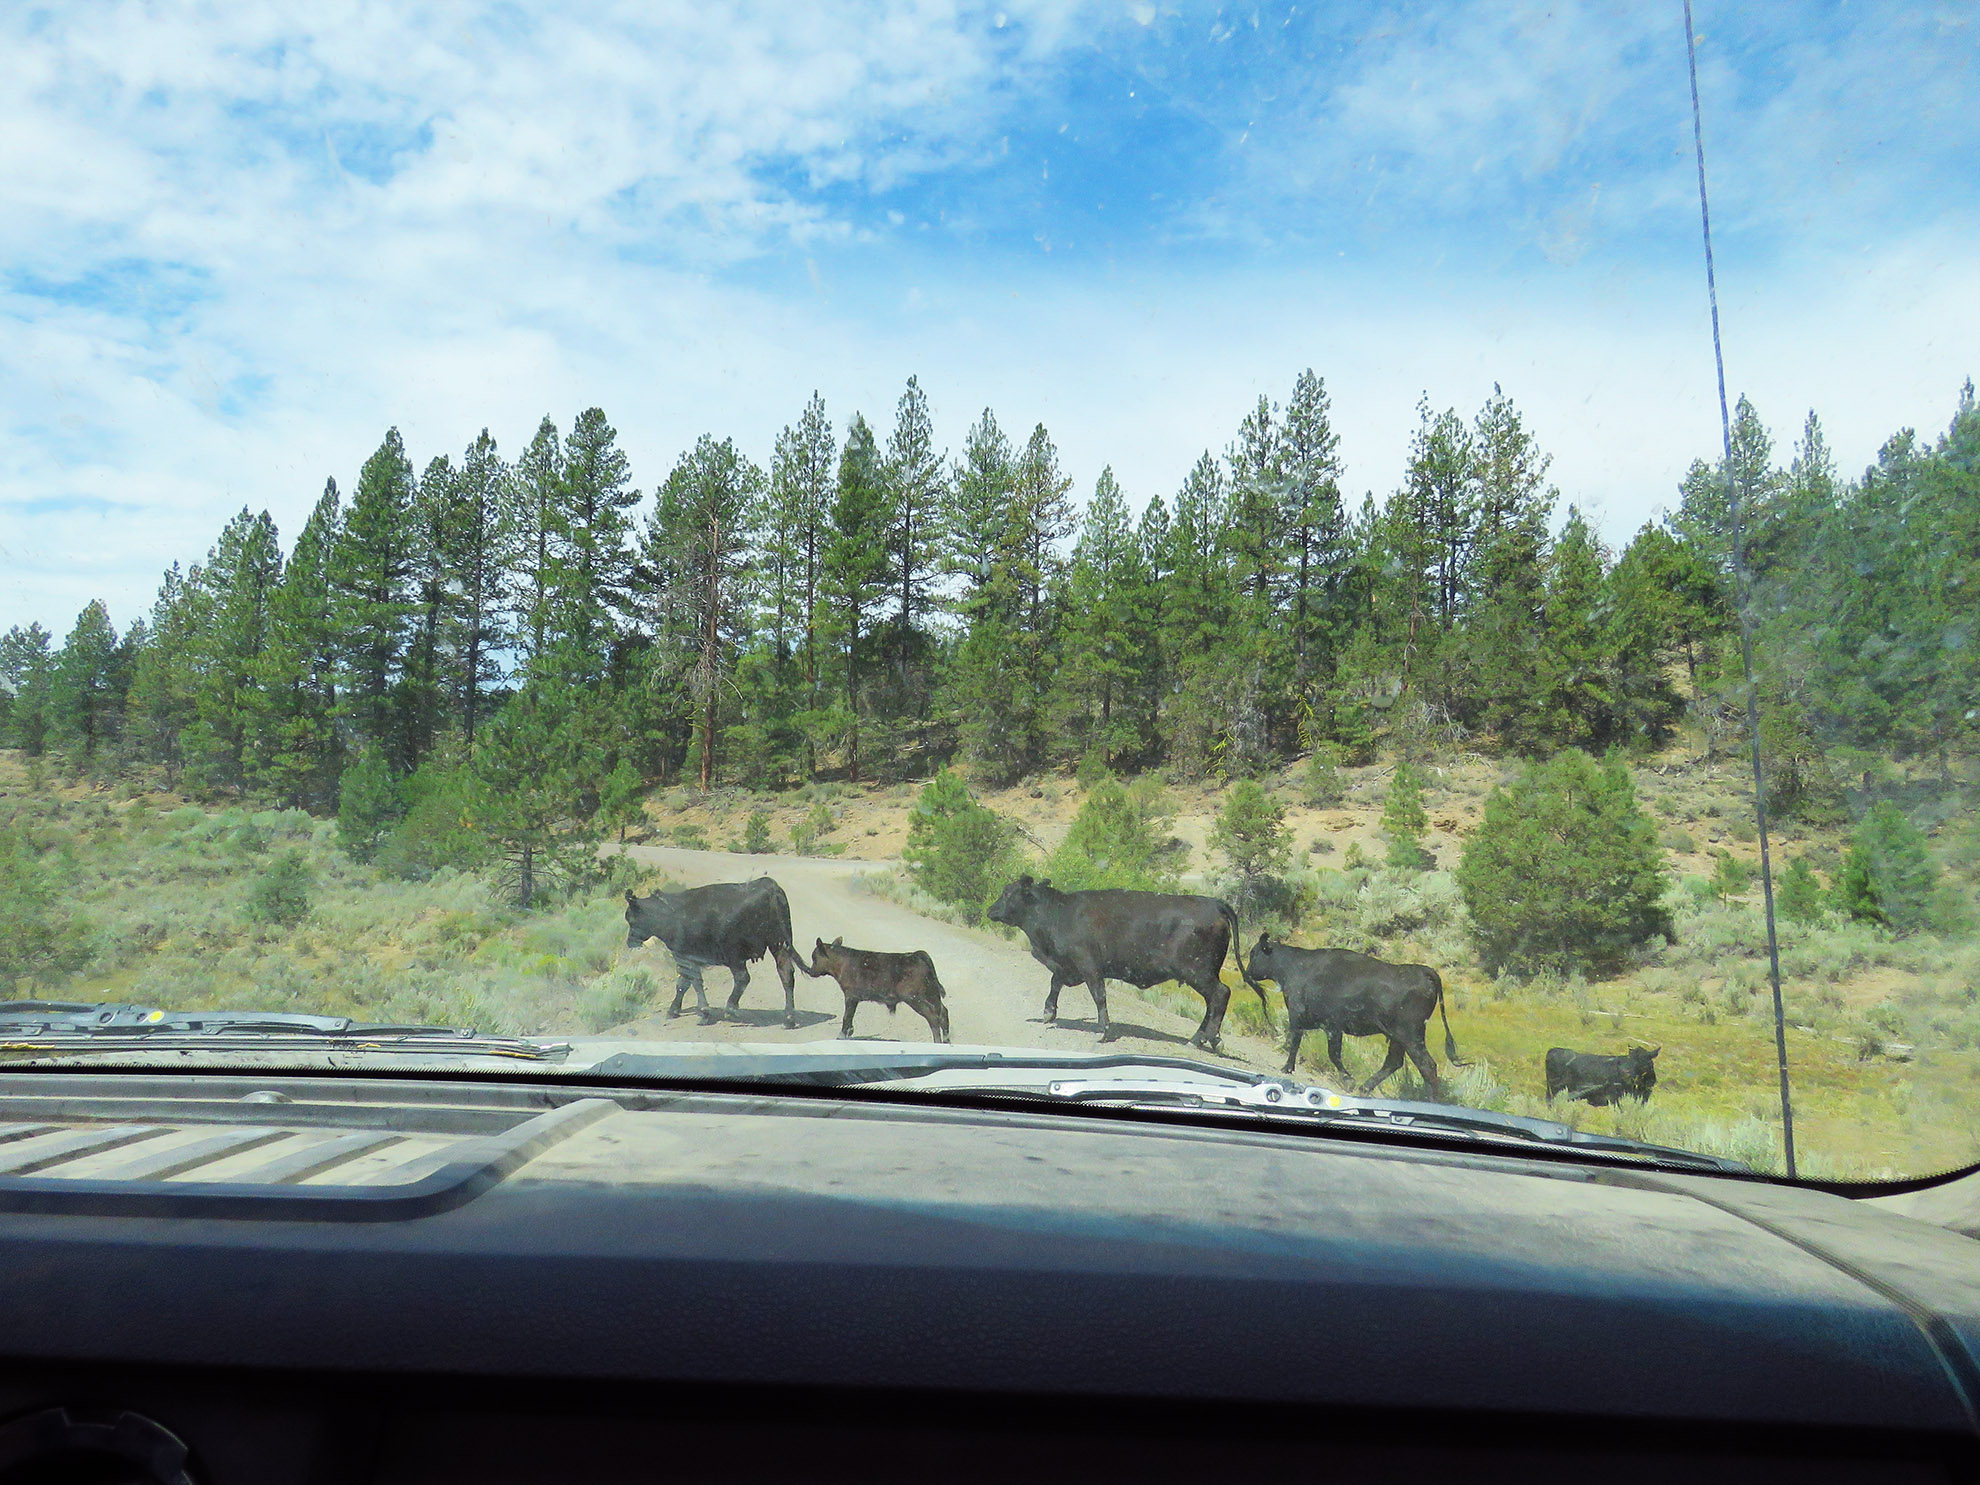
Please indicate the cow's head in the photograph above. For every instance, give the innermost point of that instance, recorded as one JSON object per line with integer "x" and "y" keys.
{"x": 1014, "y": 902}
{"x": 826, "y": 958}
{"x": 649, "y": 917}
{"x": 1642, "y": 1069}
{"x": 1259, "y": 967}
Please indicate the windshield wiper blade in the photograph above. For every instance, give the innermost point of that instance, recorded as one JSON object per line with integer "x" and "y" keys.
{"x": 1272, "y": 1099}
{"x": 70, "y": 1026}
{"x": 851, "y": 1068}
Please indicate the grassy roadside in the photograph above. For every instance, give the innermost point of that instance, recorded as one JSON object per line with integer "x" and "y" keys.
{"x": 158, "y": 900}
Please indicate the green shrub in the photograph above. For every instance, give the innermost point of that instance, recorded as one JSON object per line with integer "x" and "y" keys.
{"x": 438, "y": 830}
{"x": 1404, "y": 819}
{"x": 1730, "y": 876}
{"x": 1801, "y": 893}
{"x": 1250, "y": 834}
{"x": 1321, "y": 784}
{"x": 1888, "y": 876}
{"x": 1564, "y": 872}
{"x": 690, "y": 837}
{"x": 1093, "y": 770}
{"x": 616, "y": 997}
{"x": 280, "y": 893}
{"x": 1116, "y": 840}
{"x": 818, "y": 821}
{"x": 41, "y": 940}
{"x": 368, "y": 805}
{"x": 958, "y": 851}
{"x": 756, "y": 834}
{"x": 1677, "y": 840}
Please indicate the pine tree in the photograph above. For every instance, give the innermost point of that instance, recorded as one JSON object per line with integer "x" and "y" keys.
{"x": 1572, "y": 698}
{"x": 535, "y": 498}
{"x": 533, "y": 792}
{"x": 370, "y": 573}
{"x": 801, "y": 491}
{"x": 85, "y": 701}
{"x": 703, "y": 522}
{"x": 160, "y": 707}
{"x": 977, "y": 525}
{"x": 1316, "y": 525}
{"x": 1888, "y": 876}
{"x": 1801, "y": 893}
{"x": 478, "y": 538}
{"x": 25, "y": 669}
{"x": 1250, "y": 834}
{"x": 421, "y": 699}
{"x": 295, "y": 753}
{"x": 1198, "y": 618}
{"x": 590, "y": 544}
{"x": 916, "y": 498}
{"x": 1704, "y": 516}
{"x": 235, "y": 589}
{"x": 854, "y": 571}
{"x": 957, "y": 851}
{"x": 1107, "y": 632}
{"x": 1403, "y": 817}
{"x": 1564, "y": 871}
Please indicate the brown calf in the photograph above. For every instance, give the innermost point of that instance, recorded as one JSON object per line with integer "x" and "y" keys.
{"x": 892, "y": 980}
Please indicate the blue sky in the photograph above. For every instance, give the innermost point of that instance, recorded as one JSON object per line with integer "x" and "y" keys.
{"x": 241, "y": 241}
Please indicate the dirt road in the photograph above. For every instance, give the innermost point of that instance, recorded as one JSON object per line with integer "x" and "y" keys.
{"x": 996, "y": 990}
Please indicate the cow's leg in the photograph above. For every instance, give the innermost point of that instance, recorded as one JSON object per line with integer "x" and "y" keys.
{"x": 701, "y": 1010}
{"x": 1098, "y": 985}
{"x": 937, "y": 1016}
{"x": 1294, "y": 1036}
{"x": 1388, "y": 1068}
{"x": 739, "y": 972}
{"x": 784, "y": 959}
{"x": 1426, "y": 1066}
{"x": 1052, "y": 1000}
{"x": 681, "y": 982}
{"x": 1334, "y": 1054}
{"x": 846, "y": 1025}
{"x": 1216, "y": 1000}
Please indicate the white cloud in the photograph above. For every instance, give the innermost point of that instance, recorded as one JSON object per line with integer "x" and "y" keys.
{"x": 536, "y": 215}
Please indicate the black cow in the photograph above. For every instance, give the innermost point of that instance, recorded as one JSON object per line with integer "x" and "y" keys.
{"x": 892, "y": 980}
{"x": 1597, "y": 1078}
{"x": 1344, "y": 993}
{"x": 728, "y": 923}
{"x": 1144, "y": 938}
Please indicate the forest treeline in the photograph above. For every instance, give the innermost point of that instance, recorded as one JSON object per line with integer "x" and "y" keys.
{"x": 871, "y": 607}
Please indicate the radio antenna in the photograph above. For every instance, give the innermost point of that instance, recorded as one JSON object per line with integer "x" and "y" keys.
{"x": 1742, "y": 595}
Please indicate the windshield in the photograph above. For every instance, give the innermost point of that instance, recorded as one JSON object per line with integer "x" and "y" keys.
{"x": 472, "y": 479}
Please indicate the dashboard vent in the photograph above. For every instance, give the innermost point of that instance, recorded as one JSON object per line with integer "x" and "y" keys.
{"x": 289, "y": 1166}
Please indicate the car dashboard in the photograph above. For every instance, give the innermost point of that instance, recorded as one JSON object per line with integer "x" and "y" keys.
{"x": 285, "y": 1276}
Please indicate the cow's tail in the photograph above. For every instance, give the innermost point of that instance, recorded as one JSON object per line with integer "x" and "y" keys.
{"x": 1237, "y": 948}
{"x": 1450, "y": 1042}
{"x": 785, "y": 952}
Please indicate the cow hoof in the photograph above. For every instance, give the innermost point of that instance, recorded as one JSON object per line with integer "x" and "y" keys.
{"x": 790, "y": 1023}
{"x": 708, "y": 1018}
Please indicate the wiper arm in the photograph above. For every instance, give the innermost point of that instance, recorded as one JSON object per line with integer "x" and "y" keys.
{"x": 851, "y": 1068}
{"x": 1270, "y": 1099}
{"x": 72, "y": 1026}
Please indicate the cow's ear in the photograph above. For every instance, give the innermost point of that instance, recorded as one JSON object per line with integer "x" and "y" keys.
{"x": 1653, "y": 1053}
{"x": 629, "y": 897}
{"x": 1046, "y": 883}
{"x": 1025, "y": 880}
{"x": 839, "y": 942}
{"x": 1264, "y": 941}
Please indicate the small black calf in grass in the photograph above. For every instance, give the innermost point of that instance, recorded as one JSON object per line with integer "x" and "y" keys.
{"x": 891, "y": 980}
{"x": 1600, "y": 1079}
{"x": 1344, "y": 993}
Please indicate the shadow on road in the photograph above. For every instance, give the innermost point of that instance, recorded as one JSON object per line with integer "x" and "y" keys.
{"x": 1121, "y": 1029}
{"x": 755, "y": 1016}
